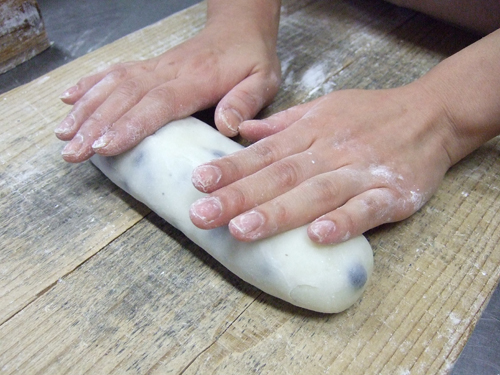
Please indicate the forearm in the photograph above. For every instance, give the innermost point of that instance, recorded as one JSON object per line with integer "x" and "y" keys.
{"x": 467, "y": 86}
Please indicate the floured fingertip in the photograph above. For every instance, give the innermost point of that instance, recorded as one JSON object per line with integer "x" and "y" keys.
{"x": 230, "y": 119}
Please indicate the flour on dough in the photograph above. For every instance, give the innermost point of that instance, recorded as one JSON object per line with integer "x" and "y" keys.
{"x": 289, "y": 266}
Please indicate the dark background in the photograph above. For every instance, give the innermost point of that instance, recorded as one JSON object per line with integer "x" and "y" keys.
{"x": 79, "y": 27}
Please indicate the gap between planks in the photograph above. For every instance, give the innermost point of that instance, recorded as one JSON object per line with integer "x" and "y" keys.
{"x": 78, "y": 266}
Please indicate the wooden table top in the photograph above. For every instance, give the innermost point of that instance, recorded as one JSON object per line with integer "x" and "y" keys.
{"x": 91, "y": 281}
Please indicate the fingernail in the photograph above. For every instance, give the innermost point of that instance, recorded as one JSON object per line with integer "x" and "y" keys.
{"x": 322, "y": 229}
{"x": 69, "y": 92}
{"x": 206, "y": 209}
{"x": 65, "y": 126}
{"x": 73, "y": 147}
{"x": 248, "y": 222}
{"x": 103, "y": 140}
{"x": 206, "y": 176}
{"x": 232, "y": 119}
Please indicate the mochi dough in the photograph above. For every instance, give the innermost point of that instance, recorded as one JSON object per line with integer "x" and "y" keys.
{"x": 157, "y": 172}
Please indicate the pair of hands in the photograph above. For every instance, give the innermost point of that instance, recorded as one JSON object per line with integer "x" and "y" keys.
{"x": 346, "y": 162}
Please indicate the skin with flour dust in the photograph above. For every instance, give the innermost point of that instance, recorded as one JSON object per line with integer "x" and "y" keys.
{"x": 289, "y": 266}
{"x": 341, "y": 164}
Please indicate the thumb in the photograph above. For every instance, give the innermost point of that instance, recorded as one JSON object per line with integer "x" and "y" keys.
{"x": 244, "y": 101}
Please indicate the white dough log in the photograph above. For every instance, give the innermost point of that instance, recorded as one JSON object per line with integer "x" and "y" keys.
{"x": 289, "y": 266}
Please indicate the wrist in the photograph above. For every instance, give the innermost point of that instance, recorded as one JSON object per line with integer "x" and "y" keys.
{"x": 427, "y": 124}
{"x": 243, "y": 17}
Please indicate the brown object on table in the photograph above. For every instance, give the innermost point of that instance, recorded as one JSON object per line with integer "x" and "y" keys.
{"x": 93, "y": 282}
{"x": 22, "y": 32}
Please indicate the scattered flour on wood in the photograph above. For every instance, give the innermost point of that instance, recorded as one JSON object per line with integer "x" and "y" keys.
{"x": 455, "y": 319}
{"x": 43, "y": 80}
{"x": 314, "y": 77}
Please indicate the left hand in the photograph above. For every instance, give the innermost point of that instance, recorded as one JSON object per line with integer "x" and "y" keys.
{"x": 236, "y": 67}
{"x": 346, "y": 162}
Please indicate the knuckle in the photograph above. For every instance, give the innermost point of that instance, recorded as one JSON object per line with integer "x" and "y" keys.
{"x": 281, "y": 213}
{"x": 325, "y": 190}
{"x": 117, "y": 73}
{"x": 95, "y": 118}
{"x": 247, "y": 102}
{"x": 83, "y": 108}
{"x": 134, "y": 128}
{"x": 274, "y": 78}
{"x": 382, "y": 206}
{"x": 162, "y": 94}
{"x": 228, "y": 165}
{"x": 166, "y": 100}
{"x": 97, "y": 123}
{"x": 374, "y": 203}
{"x": 262, "y": 151}
{"x": 377, "y": 208}
{"x": 236, "y": 199}
{"x": 81, "y": 105}
{"x": 350, "y": 226}
{"x": 288, "y": 173}
{"x": 84, "y": 81}
{"x": 131, "y": 88}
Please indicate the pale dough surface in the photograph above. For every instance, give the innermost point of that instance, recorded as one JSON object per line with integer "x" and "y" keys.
{"x": 289, "y": 266}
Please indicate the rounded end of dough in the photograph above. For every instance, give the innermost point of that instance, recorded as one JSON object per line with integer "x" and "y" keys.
{"x": 315, "y": 299}
{"x": 336, "y": 277}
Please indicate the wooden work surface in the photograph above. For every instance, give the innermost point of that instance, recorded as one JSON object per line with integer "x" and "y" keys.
{"x": 93, "y": 282}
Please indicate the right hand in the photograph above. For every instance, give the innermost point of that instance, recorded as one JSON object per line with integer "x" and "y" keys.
{"x": 115, "y": 109}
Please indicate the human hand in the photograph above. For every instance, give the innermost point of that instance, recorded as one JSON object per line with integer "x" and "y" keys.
{"x": 115, "y": 109}
{"x": 346, "y": 162}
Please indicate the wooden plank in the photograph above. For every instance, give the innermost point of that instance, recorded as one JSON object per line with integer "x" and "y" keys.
{"x": 22, "y": 32}
{"x": 55, "y": 215}
{"x": 118, "y": 293}
{"x": 149, "y": 295}
{"x": 357, "y": 44}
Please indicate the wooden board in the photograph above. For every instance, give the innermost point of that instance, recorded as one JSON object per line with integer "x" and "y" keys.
{"x": 22, "y": 32}
{"x": 93, "y": 282}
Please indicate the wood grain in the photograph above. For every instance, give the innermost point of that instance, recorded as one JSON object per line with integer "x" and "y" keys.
{"x": 22, "y": 32}
{"x": 93, "y": 282}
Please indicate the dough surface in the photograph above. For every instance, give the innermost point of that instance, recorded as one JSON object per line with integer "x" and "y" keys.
{"x": 289, "y": 266}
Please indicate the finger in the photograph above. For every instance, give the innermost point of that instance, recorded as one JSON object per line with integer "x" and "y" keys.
{"x": 278, "y": 178}
{"x": 224, "y": 171}
{"x": 121, "y": 100}
{"x": 255, "y": 130}
{"x": 87, "y": 104}
{"x": 309, "y": 200}
{"x": 244, "y": 101}
{"x": 76, "y": 92}
{"x": 363, "y": 212}
{"x": 173, "y": 100}
{"x": 92, "y": 91}
{"x": 83, "y": 108}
